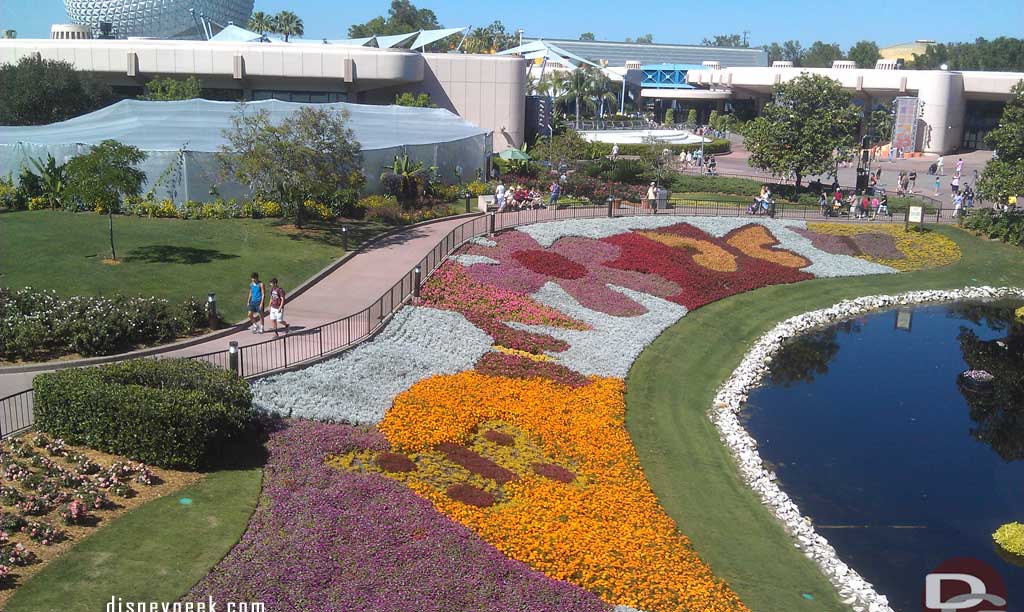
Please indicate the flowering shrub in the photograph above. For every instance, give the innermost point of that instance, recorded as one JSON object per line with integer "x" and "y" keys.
{"x": 1010, "y": 537}
{"x": 15, "y": 554}
{"x": 40, "y": 325}
{"x": 74, "y": 513}
{"x": 10, "y": 496}
{"x": 44, "y": 533}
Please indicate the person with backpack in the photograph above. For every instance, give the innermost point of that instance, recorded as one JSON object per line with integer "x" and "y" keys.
{"x": 556, "y": 191}
{"x": 255, "y": 304}
{"x": 277, "y": 297}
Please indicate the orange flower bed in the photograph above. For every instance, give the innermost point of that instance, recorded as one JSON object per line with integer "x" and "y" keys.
{"x": 757, "y": 242}
{"x": 605, "y": 531}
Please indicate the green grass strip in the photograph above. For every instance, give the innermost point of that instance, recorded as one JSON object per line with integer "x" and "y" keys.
{"x": 672, "y": 386}
{"x": 156, "y": 552}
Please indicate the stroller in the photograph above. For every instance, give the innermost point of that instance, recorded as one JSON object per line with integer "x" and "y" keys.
{"x": 932, "y": 169}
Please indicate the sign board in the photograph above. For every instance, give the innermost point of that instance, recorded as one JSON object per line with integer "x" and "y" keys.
{"x": 904, "y": 127}
{"x": 904, "y": 319}
{"x": 915, "y": 214}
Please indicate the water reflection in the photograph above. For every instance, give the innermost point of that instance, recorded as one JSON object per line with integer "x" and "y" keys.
{"x": 800, "y": 359}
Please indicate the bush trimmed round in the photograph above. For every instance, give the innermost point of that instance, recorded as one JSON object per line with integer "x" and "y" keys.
{"x": 173, "y": 413}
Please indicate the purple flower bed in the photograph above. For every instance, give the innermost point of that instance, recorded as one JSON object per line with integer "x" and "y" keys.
{"x": 324, "y": 539}
{"x": 839, "y": 245}
{"x": 882, "y": 246}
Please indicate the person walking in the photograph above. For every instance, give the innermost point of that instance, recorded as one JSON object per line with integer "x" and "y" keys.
{"x": 938, "y": 166}
{"x": 255, "y": 304}
{"x": 938, "y": 184}
{"x": 500, "y": 196}
{"x": 652, "y": 195}
{"x": 556, "y": 191}
{"x": 277, "y": 297}
{"x": 913, "y": 180}
{"x": 954, "y": 185}
{"x": 615, "y": 151}
{"x": 960, "y": 165}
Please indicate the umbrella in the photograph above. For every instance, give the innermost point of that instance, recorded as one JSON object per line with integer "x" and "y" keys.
{"x": 513, "y": 153}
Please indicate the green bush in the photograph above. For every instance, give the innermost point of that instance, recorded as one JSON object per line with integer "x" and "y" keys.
{"x": 173, "y": 413}
{"x": 629, "y": 171}
{"x": 38, "y": 325}
{"x": 1006, "y": 227}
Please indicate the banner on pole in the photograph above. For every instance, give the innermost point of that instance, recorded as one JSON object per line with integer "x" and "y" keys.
{"x": 904, "y": 128}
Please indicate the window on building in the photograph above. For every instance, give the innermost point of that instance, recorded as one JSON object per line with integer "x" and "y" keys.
{"x": 316, "y": 97}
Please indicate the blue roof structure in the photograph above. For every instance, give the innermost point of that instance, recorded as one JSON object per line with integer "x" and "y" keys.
{"x": 666, "y": 76}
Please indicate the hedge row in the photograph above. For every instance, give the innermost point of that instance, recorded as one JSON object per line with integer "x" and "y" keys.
{"x": 172, "y": 413}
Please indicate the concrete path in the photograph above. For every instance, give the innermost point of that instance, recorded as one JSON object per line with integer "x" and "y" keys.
{"x": 349, "y": 289}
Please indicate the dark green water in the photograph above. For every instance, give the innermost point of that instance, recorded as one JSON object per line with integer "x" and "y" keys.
{"x": 898, "y": 466}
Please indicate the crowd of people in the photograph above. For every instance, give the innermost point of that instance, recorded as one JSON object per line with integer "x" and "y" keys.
{"x": 518, "y": 197}
{"x": 854, "y": 205}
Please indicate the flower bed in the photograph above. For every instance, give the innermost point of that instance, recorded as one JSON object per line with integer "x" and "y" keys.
{"x": 53, "y": 494}
{"x": 323, "y": 538}
{"x": 915, "y": 250}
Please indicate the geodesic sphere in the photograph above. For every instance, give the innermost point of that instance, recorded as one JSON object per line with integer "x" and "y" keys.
{"x": 156, "y": 18}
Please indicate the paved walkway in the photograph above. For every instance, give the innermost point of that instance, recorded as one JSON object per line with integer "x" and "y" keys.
{"x": 347, "y": 290}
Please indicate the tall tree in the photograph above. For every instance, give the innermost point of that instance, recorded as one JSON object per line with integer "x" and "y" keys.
{"x": 489, "y": 39}
{"x": 789, "y": 51}
{"x": 261, "y": 22}
{"x": 587, "y": 36}
{"x": 403, "y": 17}
{"x": 808, "y": 125}
{"x": 646, "y": 39}
{"x": 39, "y": 91}
{"x": 865, "y": 53}
{"x": 580, "y": 87}
{"x": 821, "y": 55}
{"x": 103, "y": 177}
{"x": 726, "y": 40}
{"x": 1000, "y": 54}
{"x": 1004, "y": 176}
{"x": 289, "y": 24}
{"x": 311, "y": 155}
{"x": 164, "y": 89}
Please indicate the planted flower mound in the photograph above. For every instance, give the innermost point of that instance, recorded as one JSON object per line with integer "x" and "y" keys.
{"x": 890, "y": 245}
{"x": 498, "y": 424}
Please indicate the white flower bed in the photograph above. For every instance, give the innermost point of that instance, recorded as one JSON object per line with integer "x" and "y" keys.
{"x": 482, "y": 241}
{"x": 853, "y": 589}
{"x": 472, "y": 260}
{"x": 360, "y": 385}
{"x": 823, "y": 264}
{"x": 614, "y": 343}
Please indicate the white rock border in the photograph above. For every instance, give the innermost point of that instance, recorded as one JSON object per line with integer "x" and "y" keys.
{"x": 852, "y": 588}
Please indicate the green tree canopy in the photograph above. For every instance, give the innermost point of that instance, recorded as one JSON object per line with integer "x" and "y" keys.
{"x": 419, "y": 101}
{"x": 865, "y": 53}
{"x": 261, "y": 22}
{"x": 40, "y": 91}
{"x": 1004, "y": 176}
{"x": 789, "y": 51}
{"x": 489, "y": 39}
{"x": 726, "y": 40}
{"x": 165, "y": 89}
{"x": 311, "y": 155}
{"x": 288, "y": 24}
{"x": 646, "y": 39}
{"x": 1000, "y": 54}
{"x": 403, "y": 17}
{"x": 809, "y": 122}
{"x": 821, "y": 55}
{"x": 587, "y": 36}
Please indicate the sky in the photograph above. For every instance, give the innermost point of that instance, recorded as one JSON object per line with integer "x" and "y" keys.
{"x": 670, "y": 21}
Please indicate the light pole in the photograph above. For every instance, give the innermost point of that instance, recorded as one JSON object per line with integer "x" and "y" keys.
{"x": 519, "y": 33}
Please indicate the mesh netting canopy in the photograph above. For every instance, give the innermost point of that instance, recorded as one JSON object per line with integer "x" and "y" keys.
{"x": 181, "y": 139}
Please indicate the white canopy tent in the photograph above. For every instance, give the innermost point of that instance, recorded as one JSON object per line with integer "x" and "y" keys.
{"x": 181, "y": 140}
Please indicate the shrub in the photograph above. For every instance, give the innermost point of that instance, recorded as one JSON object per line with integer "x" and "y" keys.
{"x": 10, "y": 199}
{"x": 39, "y": 324}
{"x": 629, "y": 171}
{"x": 479, "y": 188}
{"x": 1010, "y": 537}
{"x": 1006, "y": 227}
{"x": 170, "y": 413}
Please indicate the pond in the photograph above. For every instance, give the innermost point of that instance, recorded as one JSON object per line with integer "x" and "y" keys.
{"x": 899, "y": 466}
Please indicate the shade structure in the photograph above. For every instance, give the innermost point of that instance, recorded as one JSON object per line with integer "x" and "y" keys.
{"x": 513, "y": 153}
{"x": 181, "y": 140}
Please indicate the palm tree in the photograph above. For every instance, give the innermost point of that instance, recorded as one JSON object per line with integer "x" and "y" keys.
{"x": 404, "y": 178}
{"x": 54, "y": 179}
{"x": 579, "y": 87}
{"x": 289, "y": 24}
{"x": 261, "y": 22}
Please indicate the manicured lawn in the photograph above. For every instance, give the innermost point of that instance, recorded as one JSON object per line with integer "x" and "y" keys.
{"x": 672, "y": 385}
{"x": 168, "y": 258}
{"x": 154, "y": 553}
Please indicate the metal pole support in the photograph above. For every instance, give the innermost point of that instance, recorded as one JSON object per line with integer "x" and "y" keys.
{"x": 493, "y": 216}
{"x": 416, "y": 282}
{"x": 211, "y": 310}
{"x": 468, "y": 196}
{"x": 233, "y": 357}
{"x": 344, "y": 238}
{"x": 611, "y": 201}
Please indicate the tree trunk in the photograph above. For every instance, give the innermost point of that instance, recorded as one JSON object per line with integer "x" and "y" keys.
{"x": 110, "y": 224}
{"x": 577, "y": 112}
{"x": 799, "y": 176}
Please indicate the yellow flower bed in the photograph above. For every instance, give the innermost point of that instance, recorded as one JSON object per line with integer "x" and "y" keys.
{"x": 709, "y": 254}
{"x": 1010, "y": 537}
{"x": 922, "y": 249}
{"x": 519, "y": 353}
{"x": 604, "y": 531}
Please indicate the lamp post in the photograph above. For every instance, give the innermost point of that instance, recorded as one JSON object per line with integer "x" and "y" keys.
{"x": 211, "y": 310}
{"x": 468, "y": 196}
{"x": 344, "y": 237}
{"x": 416, "y": 282}
{"x": 233, "y": 357}
{"x": 611, "y": 201}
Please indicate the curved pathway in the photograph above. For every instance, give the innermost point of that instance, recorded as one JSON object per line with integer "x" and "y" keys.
{"x": 350, "y": 288}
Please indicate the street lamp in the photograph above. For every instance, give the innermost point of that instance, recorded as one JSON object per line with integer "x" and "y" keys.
{"x": 519, "y": 33}
{"x": 944, "y": 67}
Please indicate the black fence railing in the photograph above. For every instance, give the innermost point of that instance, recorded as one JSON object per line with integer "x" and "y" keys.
{"x": 314, "y": 344}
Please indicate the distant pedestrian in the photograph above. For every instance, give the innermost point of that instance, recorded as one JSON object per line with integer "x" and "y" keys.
{"x": 938, "y": 184}
{"x": 277, "y": 297}
{"x": 255, "y": 304}
{"x": 913, "y": 180}
{"x": 954, "y": 185}
{"x": 892, "y": 153}
{"x": 958, "y": 204}
{"x": 959, "y": 165}
{"x": 615, "y": 151}
{"x": 938, "y": 166}
{"x": 500, "y": 196}
{"x": 556, "y": 191}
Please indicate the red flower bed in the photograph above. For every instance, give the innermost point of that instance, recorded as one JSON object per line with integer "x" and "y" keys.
{"x": 554, "y": 472}
{"x": 699, "y": 285}
{"x": 516, "y": 366}
{"x": 470, "y": 495}
{"x": 550, "y": 263}
{"x": 476, "y": 463}
{"x": 499, "y": 437}
{"x": 393, "y": 462}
